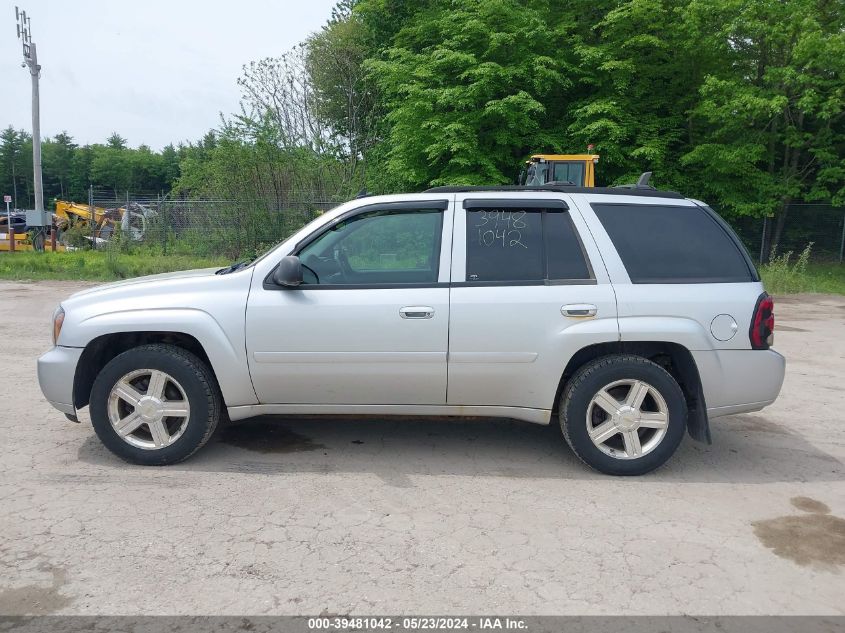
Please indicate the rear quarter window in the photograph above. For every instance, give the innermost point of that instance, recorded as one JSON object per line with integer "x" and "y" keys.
{"x": 673, "y": 244}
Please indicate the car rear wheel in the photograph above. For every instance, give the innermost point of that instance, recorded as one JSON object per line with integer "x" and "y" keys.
{"x": 155, "y": 404}
{"x": 623, "y": 415}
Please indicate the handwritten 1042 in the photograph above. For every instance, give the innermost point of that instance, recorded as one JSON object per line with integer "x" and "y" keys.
{"x": 501, "y": 228}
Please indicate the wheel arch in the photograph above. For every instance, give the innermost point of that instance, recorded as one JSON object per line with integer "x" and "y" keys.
{"x": 673, "y": 357}
{"x": 231, "y": 374}
{"x": 104, "y": 348}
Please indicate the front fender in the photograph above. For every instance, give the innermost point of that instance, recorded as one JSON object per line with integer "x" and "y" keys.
{"x": 226, "y": 353}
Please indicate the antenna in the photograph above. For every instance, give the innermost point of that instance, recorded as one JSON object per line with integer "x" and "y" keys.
{"x": 643, "y": 180}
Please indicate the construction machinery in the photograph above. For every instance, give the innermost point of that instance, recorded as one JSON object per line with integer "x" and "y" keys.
{"x": 28, "y": 236}
{"x": 100, "y": 223}
{"x": 96, "y": 225}
{"x": 578, "y": 170}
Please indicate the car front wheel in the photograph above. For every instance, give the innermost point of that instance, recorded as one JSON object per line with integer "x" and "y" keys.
{"x": 155, "y": 404}
{"x": 623, "y": 415}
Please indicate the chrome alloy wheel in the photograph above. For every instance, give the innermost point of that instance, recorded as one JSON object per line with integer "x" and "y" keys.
{"x": 148, "y": 409}
{"x": 627, "y": 419}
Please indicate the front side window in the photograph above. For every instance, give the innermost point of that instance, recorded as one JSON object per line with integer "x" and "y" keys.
{"x": 530, "y": 245}
{"x": 376, "y": 248}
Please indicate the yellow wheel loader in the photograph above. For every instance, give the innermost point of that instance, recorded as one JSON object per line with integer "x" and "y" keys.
{"x": 578, "y": 170}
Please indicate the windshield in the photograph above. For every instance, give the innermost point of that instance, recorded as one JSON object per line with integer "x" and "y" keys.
{"x": 536, "y": 174}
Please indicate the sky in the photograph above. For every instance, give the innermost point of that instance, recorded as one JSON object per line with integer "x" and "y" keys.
{"x": 155, "y": 71}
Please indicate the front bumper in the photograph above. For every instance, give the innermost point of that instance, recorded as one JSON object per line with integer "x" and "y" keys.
{"x": 738, "y": 381}
{"x": 56, "y": 370}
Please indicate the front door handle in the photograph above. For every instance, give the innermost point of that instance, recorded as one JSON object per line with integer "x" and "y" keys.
{"x": 579, "y": 310}
{"x": 416, "y": 312}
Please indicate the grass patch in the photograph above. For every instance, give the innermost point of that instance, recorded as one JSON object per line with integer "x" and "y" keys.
{"x": 786, "y": 274}
{"x": 824, "y": 278}
{"x": 97, "y": 265}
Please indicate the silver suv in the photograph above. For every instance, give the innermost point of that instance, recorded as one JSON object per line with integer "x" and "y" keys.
{"x": 631, "y": 315}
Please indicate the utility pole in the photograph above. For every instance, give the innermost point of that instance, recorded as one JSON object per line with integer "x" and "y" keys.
{"x": 30, "y": 60}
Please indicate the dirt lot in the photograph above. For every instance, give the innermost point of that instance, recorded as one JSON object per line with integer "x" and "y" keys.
{"x": 305, "y": 516}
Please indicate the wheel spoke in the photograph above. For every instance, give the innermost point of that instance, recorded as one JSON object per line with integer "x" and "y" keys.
{"x": 652, "y": 420}
{"x": 158, "y": 379}
{"x": 175, "y": 409}
{"x": 128, "y": 424}
{"x": 636, "y": 395}
{"x": 632, "y": 443}
{"x": 127, "y": 392}
{"x": 603, "y": 432}
{"x": 159, "y": 432}
{"x": 607, "y": 402}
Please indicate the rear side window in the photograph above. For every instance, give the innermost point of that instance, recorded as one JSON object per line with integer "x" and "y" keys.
{"x": 667, "y": 244}
{"x": 523, "y": 245}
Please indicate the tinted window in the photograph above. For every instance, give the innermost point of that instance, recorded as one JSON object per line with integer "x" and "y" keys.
{"x": 530, "y": 244}
{"x": 569, "y": 172}
{"x": 563, "y": 250}
{"x": 504, "y": 245}
{"x": 380, "y": 247}
{"x": 664, "y": 244}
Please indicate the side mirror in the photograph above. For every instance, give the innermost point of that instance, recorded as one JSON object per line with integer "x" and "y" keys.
{"x": 289, "y": 272}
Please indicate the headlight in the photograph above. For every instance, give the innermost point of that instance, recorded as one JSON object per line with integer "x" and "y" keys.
{"x": 58, "y": 319}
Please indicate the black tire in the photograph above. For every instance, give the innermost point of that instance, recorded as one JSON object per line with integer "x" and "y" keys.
{"x": 587, "y": 382}
{"x": 194, "y": 376}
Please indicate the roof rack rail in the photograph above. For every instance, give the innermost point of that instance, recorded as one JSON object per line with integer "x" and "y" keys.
{"x": 559, "y": 187}
{"x": 622, "y": 190}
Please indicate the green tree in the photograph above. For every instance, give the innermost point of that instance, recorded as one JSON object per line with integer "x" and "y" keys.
{"x": 638, "y": 71}
{"x": 111, "y": 168}
{"x": 116, "y": 141}
{"x": 80, "y": 173}
{"x": 57, "y": 165}
{"x": 770, "y": 123}
{"x": 11, "y": 162}
{"x": 344, "y": 93}
{"x": 169, "y": 166}
{"x": 468, "y": 87}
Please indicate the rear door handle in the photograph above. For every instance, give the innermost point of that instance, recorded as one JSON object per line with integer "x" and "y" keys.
{"x": 416, "y": 312}
{"x": 579, "y": 310}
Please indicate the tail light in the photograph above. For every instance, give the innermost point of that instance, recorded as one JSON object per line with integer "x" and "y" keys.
{"x": 763, "y": 323}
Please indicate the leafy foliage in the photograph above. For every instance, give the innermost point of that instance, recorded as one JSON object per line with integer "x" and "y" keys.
{"x": 739, "y": 102}
{"x": 468, "y": 90}
{"x": 772, "y": 114}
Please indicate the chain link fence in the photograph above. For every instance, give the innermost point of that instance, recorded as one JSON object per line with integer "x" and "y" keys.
{"x": 235, "y": 229}
{"x": 820, "y": 224}
{"x": 201, "y": 227}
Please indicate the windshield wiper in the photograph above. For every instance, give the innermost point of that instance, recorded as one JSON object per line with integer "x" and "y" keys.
{"x": 233, "y": 267}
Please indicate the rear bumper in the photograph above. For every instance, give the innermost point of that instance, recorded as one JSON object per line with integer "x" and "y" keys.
{"x": 56, "y": 370}
{"x": 738, "y": 381}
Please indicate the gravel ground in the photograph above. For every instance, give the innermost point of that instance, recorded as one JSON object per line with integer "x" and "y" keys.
{"x": 300, "y": 516}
